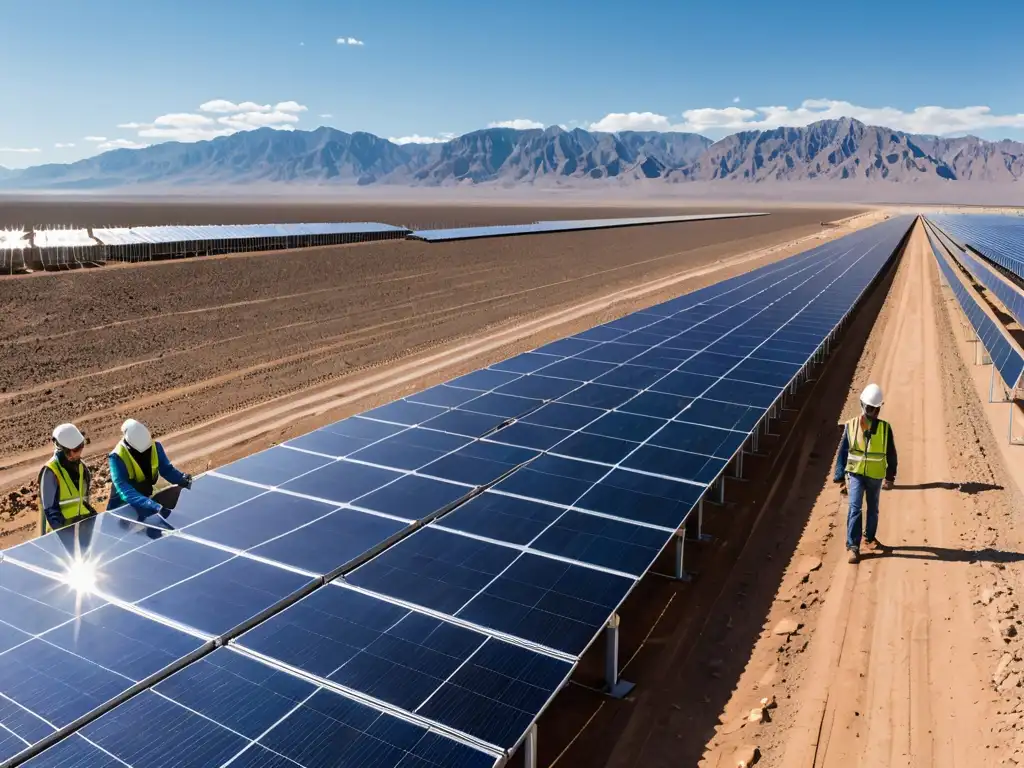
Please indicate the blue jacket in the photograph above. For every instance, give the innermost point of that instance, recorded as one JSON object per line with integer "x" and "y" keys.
{"x": 124, "y": 492}
{"x": 844, "y": 452}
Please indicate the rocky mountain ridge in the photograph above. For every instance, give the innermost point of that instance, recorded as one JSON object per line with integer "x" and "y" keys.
{"x": 838, "y": 150}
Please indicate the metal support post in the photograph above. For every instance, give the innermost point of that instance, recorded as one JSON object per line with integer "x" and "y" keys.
{"x": 530, "y": 748}
{"x": 616, "y": 687}
{"x": 754, "y": 438}
{"x": 721, "y": 490}
{"x": 991, "y": 384}
{"x": 701, "y": 536}
{"x": 739, "y": 465}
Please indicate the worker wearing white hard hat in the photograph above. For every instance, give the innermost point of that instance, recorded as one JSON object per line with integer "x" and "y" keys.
{"x": 64, "y": 482}
{"x": 141, "y": 474}
{"x": 866, "y": 464}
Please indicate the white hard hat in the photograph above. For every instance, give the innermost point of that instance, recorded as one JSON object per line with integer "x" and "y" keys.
{"x": 68, "y": 437}
{"x": 136, "y": 435}
{"x": 872, "y": 395}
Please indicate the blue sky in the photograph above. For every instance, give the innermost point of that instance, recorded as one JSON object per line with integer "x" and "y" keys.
{"x": 98, "y": 74}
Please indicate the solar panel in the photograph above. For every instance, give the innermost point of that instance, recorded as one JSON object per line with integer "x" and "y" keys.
{"x": 208, "y": 232}
{"x": 452, "y": 675}
{"x": 1011, "y": 297}
{"x": 1006, "y": 358}
{"x": 64, "y": 654}
{"x": 228, "y": 708}
{"x": 539, "y": 227}
{"x": 1000, "y": 238}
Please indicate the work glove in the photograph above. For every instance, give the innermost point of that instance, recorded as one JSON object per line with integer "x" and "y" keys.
{"x": 887, "y": 485}
{"x": 841, "y": 482}
{"x": 186, "y": 483}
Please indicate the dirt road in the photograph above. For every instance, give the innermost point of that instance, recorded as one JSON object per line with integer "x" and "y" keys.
{"x": 893, "y": 661}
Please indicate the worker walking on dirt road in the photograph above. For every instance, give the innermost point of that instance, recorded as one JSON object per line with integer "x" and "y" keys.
{"x": 137, "y": 465}
{"x": 64, "y": 482}
{"x": 865, "y": 465}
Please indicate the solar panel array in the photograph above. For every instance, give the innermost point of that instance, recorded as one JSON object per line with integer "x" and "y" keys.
{"x": 1010, "y": 296}
{"x": 999, "y": 238}
{"x": 1005, "y": 356}
{"x": 414, "y": 584}
{"x": 179, "y": 234}
{"x": 540, "y": 227}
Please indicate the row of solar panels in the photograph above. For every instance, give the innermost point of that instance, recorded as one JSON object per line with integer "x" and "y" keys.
{"x": 999, "y": 238}
{"x": 413, "y": 584}
{"x": 1011, "y": 297}
{"x": 1005, "y": 355}
{"x": 541, "y": 227}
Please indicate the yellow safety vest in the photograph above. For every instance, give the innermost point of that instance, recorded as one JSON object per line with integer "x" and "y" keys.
{"x": 868, "y": 460}
{"x": 135, "y": 473}
{"x": 72, "y": 502}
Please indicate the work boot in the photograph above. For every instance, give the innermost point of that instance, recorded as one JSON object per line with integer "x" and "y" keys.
{"x": 854, "y": 556}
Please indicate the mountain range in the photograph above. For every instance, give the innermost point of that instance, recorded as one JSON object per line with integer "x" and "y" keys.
{"x": 839, "y": 150}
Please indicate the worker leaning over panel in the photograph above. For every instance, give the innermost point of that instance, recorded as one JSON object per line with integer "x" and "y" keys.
{"x": 865, "y": 465}
{"x": 64, "y": 482}
{"x": 141, "y": 474}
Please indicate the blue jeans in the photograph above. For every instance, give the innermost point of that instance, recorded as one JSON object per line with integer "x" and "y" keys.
{"x": 859, "y": 487}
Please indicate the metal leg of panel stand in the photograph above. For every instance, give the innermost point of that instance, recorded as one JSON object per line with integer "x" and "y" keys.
{"x": 701, "y": 536}
{"x": 530, "y": 748}
{"x": 991, "y": 384}
{"x": 721, "y": 490}
{"x": 757, "y": 433}
{"x": 616, "y": 687}
{"x": 739, "y": 466}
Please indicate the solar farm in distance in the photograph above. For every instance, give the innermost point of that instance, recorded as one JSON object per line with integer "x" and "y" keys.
{"x": 416, "y": 583}
{"x": 43, "y": 248}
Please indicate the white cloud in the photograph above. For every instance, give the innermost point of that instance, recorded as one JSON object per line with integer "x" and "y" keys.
{"x": 233, "y": 117}
{"x": 349, "y": 41}
{"x": 122, "y": 144}
{"x": 520, "y": 124}
{"x": 632, "y": 121}
{"x": 417, "y": 139}
{"x": 20, "y": 150}
{"x": 222, "y": 106}
{"x": 287, "y": 106}
{"x": 245, "y": 121}
{"x": 96, "y": 139}
{"x": 63, "y": 145}
{"x": 720, "y": 121}
{"x": 736, "y": 100}
{"x": 182, "y": 120}
{"x": 327, "y": 115}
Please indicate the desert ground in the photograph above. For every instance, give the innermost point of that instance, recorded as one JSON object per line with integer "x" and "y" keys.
{"x": 912, "y": 657}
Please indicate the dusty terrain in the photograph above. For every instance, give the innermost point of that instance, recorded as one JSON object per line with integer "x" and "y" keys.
{"x": 206, "y": 350}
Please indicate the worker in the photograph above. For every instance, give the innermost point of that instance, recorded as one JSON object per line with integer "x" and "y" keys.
{"x": 64, "y": 482}
{"x": 137, "y": 465}
{"x": 865, "y": 465}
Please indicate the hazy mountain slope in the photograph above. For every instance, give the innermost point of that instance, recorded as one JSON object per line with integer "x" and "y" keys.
{"x": 830, "y": 149}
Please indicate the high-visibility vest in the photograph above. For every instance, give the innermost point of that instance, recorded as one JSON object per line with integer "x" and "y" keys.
{"x": 867, "y": 460}
{"x": 136, "y": 476}
{"x": 73, "y": 504}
